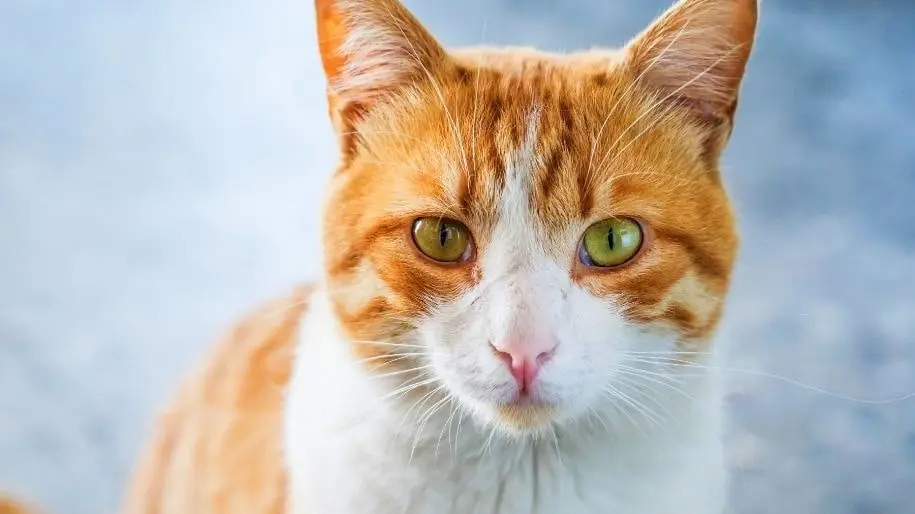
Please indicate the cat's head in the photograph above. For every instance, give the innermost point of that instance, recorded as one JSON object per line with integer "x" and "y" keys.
{"x": 530, "y": 230}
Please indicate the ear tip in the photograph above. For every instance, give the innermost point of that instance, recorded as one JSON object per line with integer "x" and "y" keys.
{"x": 749, "y": 10}
{"x": 746, "y": 21}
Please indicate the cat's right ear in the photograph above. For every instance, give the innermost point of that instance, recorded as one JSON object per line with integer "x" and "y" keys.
{"x": 370, "y": 49}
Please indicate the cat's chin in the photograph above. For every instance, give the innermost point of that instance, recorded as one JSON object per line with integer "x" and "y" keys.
{"x": 522, "y": 418}
{"x": 514, "y": 415}
{"x": 526, "y": 419}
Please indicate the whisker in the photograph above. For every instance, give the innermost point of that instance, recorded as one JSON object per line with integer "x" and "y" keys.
{"x": 648, "y": 373}
{"x": 447, "y": 425}
{"x": 665, "y": 352}
{"x": 391, "y": 357}
{"x": 787, "y": 380}
{"x": 615, "y": 398}
{"x": 487, "y": 446}
{"x": 640, "y": 389}
{"x": 425, "y": 419}
{"x": 633, "y": 375}
{"x": 600, "y": 418}
{"x": 403, "y": 371}
{"x": 556, "y": 445}
{"x": 388, "y": 344}
{"x": 457, "y": 434}
{"x": 638, "y": 407}
{"x": 400, "y": 391}
{"x": 418, "y": 404}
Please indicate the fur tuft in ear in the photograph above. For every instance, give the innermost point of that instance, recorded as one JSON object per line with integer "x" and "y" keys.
{"x": 695, "y": 55}
{"x": 370, "y": 48}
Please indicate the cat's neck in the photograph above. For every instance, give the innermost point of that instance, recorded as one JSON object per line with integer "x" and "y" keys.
{"x": 352, "y": 448}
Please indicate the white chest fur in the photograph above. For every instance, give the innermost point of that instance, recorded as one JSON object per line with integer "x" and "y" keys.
{"x": 350, "y": 451}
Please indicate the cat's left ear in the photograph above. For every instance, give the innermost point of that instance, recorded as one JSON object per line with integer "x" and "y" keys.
{"x": 695, "y": 56}
{"x": 371, "y": 49}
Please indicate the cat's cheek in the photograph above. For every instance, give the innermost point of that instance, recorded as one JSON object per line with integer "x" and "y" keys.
{"x": 594, "y": 335}
{"x": 604, "y": 347}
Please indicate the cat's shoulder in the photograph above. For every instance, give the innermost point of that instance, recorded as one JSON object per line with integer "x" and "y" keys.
{"x": 259, "y": 347}
{"x": 218, "y": 446}
{"x": 250, "y": 365}
{"x": 9, "y": 505}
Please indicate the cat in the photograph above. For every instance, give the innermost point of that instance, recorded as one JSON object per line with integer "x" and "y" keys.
{"x": 526, "y": 256}
{"x": 10, "y": 505}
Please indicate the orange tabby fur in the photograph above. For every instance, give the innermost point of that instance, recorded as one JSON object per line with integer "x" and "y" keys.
{"x": 11, "y": 506}
{"x": 217, "y": 448}
{"x": 610, "y": 126}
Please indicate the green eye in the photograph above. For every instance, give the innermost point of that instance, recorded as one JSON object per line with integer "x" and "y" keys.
{"x": 611, "y": 242}
{"x": 441, "y": 240}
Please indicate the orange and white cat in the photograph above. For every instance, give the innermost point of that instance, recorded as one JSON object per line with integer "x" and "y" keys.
{"x": 526, "y": 255}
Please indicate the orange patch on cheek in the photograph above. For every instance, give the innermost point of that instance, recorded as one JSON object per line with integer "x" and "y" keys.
{"x": 380, "y": 267}
{"x": 713, "y": 262}
{"x": 353, "y": 290}
{"x": 640, "y": 285}
{"x": 419, "y": 286}
{"x": 688, "y": 304}
{"x": 694, "y": 306}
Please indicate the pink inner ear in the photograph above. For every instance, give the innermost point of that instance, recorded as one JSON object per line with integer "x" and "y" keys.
{"x": 370, "y": 46}
{"x": 697, "y": 53}
{"x": 331, "y": 36}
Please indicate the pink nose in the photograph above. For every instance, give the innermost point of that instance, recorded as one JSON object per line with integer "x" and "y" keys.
{"x": 525, "y": 357}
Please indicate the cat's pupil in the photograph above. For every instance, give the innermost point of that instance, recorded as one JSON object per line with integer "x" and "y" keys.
{"x": 610, "y": 239}
{"x": 443, "y": 235}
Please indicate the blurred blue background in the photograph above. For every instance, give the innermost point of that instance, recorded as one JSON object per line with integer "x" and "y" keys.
{"x": 161, "y": 165}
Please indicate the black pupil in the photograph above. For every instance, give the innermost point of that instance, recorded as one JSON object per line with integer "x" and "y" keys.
{"x": 444, "y": 234}
{"x": 611, "y": 241}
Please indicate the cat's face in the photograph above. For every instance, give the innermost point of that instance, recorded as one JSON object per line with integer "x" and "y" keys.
{"x": 530, "y": 230}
